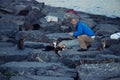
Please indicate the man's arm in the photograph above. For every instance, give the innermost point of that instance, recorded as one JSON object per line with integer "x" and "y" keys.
{"x": 78, "y": 32}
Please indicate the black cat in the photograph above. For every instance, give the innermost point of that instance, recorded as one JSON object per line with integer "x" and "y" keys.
{"x": 102, "y": 45}
{"x": 58, "y": 49}
{"x": 55, "y": 48}
{"x": 20, "y": 44}
{"x": 49, "y": 48}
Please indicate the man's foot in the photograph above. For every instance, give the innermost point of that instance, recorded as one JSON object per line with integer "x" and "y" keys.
{"x": 88, "y": 46}
{"x": 82, "y": 49}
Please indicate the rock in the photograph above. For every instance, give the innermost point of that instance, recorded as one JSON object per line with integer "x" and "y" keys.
{"x": 73, "y": 58}
{"x": 111, "y": 42}
{"x": 57, "y": 36}
{"x": 6, "y": 44}
{"x": 59, "y": 15}
{"x": 18, "y": 20}
{"x": 115, "y": 48}
{"x": 33, "y": 16}
{"x": 3, "y": 3}
{"x": 59, "y": 71}
{"x": 13, "y": 54}
{"x": 45, "y": 56}
{"x": 97, "y": 42}
{"x": 108, "y": 56}
{"x": 19, "y": 5}
{"x": 116, "y": 78}
{"x": 2, "y": 62}
{"x": 25, "y": 11}
{"x": 65, "y": 28}
{"x": 89, "y": 22}
{"x": 108, "y": 28}
{"x": 36, "y": 45}
{"x": 70, "y": 43}
{"x": 2, "y": 77}
{"x": 32, "y": 36}
{"x": 41, "y": 69}
{"x": 98, "y": 71}
{"x": 50, "y": 26}
{"x": 102, "y": 33}
{"x": 4, "y": 38}
{"x": 25, "y": 26}
{"x": 34, "y": 77}
{"x": 115, "y": 36}
{"x": 51, "y": 18}
{"x": 8, "y": 28}
{"x": 43, "y": 22}
{"x": 5, "y": 10}
{"x": 54, "y": 11}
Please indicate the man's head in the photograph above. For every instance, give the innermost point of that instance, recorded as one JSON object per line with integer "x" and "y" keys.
{"x": 74, "y": 21}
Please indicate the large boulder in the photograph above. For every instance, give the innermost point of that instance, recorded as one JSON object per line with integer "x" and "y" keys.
{"x": 24, "y": 10}
{"x": 56, "y": 36}
{"x": 34, "y": 77}
{"x": 73, "y": 58}
{"x": 36, "y": 45}
{"x": 33, "y": 16}
{"x": 7, "y": 26}
{"x": 108, "y": 28}
{"x": 32, "y": 36}
{"x": 2, "y": 77}
{"x": 41, "y": 69}
{"x": 18, "y": 5}
{"x": 65, "y": 28}
{"x": 40, "y": 55}
{"x": 115, "y": 48}
{"x": 59, "y": 15}
{"x": 6, "y": 44}
{"x": 70, "y": 43}
{"x": 89, "y": 22}
{"x": 98, "y": 71}
{"x": 13, "y": 54}
{"x": 51, "y": 26}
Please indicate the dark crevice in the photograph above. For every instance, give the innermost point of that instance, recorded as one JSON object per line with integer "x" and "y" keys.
{"x": 112, "y": 77}
{"x": 23, "y": 12}
{"x": 0, "y": 17}
{"x": 36, "y": 26}
{"x": 77, "y": 76}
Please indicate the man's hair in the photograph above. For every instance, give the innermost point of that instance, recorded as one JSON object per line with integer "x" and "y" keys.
{"x": 73, "y": 18}
{"x": 70, "y": 16}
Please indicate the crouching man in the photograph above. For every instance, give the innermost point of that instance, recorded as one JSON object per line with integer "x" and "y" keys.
{"x": 83, "y": 33}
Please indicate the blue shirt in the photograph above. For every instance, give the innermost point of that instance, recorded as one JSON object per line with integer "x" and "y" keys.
{"x": 81, "y": 29}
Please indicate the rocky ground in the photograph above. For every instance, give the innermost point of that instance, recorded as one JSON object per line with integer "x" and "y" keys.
{"x": 27, "y": 18}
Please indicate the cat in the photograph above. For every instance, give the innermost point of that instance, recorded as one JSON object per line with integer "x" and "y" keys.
{"x": 51, "y": 47}
{"x": 55, "y": 48}
{"x": 58, "y": 49}
{"x": 102, "y": 45}
{"x": 20, "y": 43}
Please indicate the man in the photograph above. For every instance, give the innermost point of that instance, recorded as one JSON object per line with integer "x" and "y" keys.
{"x": 83, "y": 33}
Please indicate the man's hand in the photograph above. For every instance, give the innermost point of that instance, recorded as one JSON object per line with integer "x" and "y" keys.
{"x": 71, "y": 35}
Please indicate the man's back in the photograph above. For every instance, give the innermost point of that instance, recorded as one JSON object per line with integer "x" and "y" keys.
{"x": 81, "y": 29}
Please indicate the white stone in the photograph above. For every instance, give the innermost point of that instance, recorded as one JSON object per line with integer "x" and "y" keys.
{"x": 115, "y": 36}
{"x": 50, "y": 18}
